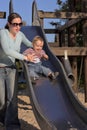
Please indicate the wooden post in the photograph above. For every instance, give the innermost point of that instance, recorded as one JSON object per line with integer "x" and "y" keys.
{"x": 85, "y": 59}
{"x": 60, "y": 44}
{"x": 84, "y": 8}
{"x": 72, "y": 42}
{"x": 42, "y": 22}
{"x": 63, "y": 38}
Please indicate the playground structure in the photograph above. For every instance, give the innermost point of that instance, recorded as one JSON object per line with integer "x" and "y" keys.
{"x": 66, "y": 37}
{"x": 55, "y": 104}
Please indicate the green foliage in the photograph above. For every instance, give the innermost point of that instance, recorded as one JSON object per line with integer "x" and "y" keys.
{"x": 65, "y": 5}
{"x": 78, "y": 7}
{"x": 62, "y": 6}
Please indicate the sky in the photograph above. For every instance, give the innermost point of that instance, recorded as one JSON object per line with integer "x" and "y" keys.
{"x": 24, "y": 8}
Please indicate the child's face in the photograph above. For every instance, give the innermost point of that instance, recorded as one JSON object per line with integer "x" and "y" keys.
{"x": 38, "y": 45}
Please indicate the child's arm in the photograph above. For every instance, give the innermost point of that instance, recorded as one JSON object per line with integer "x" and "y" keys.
{"x": 44, "y": 55}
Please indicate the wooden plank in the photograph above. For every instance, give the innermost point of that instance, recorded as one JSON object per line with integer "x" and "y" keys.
{"x": 53, "y": 44}
{"x": 51, "y": 31}
{"x": 2, "y": 14}
{"x": 64, "y": 15}
{"x": 71, "y": 51}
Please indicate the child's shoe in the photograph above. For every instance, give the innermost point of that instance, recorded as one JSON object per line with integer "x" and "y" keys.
{"x": 53, "y": 76}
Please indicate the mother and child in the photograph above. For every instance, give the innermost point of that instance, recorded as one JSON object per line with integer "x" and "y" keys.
{"x": 10, "y": 43}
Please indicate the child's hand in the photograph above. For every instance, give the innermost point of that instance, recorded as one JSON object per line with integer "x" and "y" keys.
{"x": 45, "y": 56}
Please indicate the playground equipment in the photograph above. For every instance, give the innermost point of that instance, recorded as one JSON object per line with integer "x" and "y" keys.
{"x": 54, "y": 103}
{"x": 67, "y": 37}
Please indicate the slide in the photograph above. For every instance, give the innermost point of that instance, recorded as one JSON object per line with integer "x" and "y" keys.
{"x": 54, "y": 104}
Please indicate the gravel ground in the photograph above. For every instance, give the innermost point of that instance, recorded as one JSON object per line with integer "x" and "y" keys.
{"x": 26, "y": 116}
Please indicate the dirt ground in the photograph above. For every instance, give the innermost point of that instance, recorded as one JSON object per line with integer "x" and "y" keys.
{"x": 81, "y": 96}
{"x": 26, "y": 116}
{"x": 25, "y": 113}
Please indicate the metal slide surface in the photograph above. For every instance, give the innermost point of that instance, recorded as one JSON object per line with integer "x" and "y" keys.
{"x": 55, "y": 105}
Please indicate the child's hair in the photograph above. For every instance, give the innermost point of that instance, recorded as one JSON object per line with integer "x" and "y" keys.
{"x": 36, "y": 38}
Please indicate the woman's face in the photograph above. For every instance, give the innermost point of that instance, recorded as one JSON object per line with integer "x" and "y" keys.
{"x": 15, "y": 25}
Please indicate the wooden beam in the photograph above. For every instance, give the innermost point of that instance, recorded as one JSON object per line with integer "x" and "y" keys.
{"x": 69, "y": 24}
{"x": 71, "y": 51}
{"x": 53, "y": 44}
{"x": 63, "y": 27}
{"x": 51, "y": 31}
{"x": 61, "y": 15}
{"x": 2, "y": 14}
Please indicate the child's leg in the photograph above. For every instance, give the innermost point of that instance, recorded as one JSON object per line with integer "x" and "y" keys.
{"x": 32, "y": 71}
{"x": 46, "y": 71}
{"x": 49, "y": 73}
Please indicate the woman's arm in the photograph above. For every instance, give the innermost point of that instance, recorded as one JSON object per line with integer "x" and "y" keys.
{"x": 10, "y": 51}
{"x": 25, "y": 40}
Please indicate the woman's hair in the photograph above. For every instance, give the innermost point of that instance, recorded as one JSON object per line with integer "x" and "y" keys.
{"x": 11, "y": 17}
{"x": 36, "y": 38}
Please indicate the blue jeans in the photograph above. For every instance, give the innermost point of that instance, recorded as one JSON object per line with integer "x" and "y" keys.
{"x": 8, "y": 97}
{"x": 38, "y": 68}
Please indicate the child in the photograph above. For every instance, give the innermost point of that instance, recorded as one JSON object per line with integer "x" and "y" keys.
{"x": 36, "y": 66}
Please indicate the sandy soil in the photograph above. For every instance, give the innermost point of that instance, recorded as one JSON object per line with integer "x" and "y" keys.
{"x": 81, "y": 96}
{"x": 26, "y": 116}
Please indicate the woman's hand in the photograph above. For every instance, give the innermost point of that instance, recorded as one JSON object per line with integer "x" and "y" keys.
{"x": 31, "y": 57}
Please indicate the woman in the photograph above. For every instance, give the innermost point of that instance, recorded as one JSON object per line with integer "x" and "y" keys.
{"x": 10, "y": 42}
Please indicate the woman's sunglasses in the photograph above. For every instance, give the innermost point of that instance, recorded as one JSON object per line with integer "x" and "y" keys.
{"x": 16, "y": 24}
